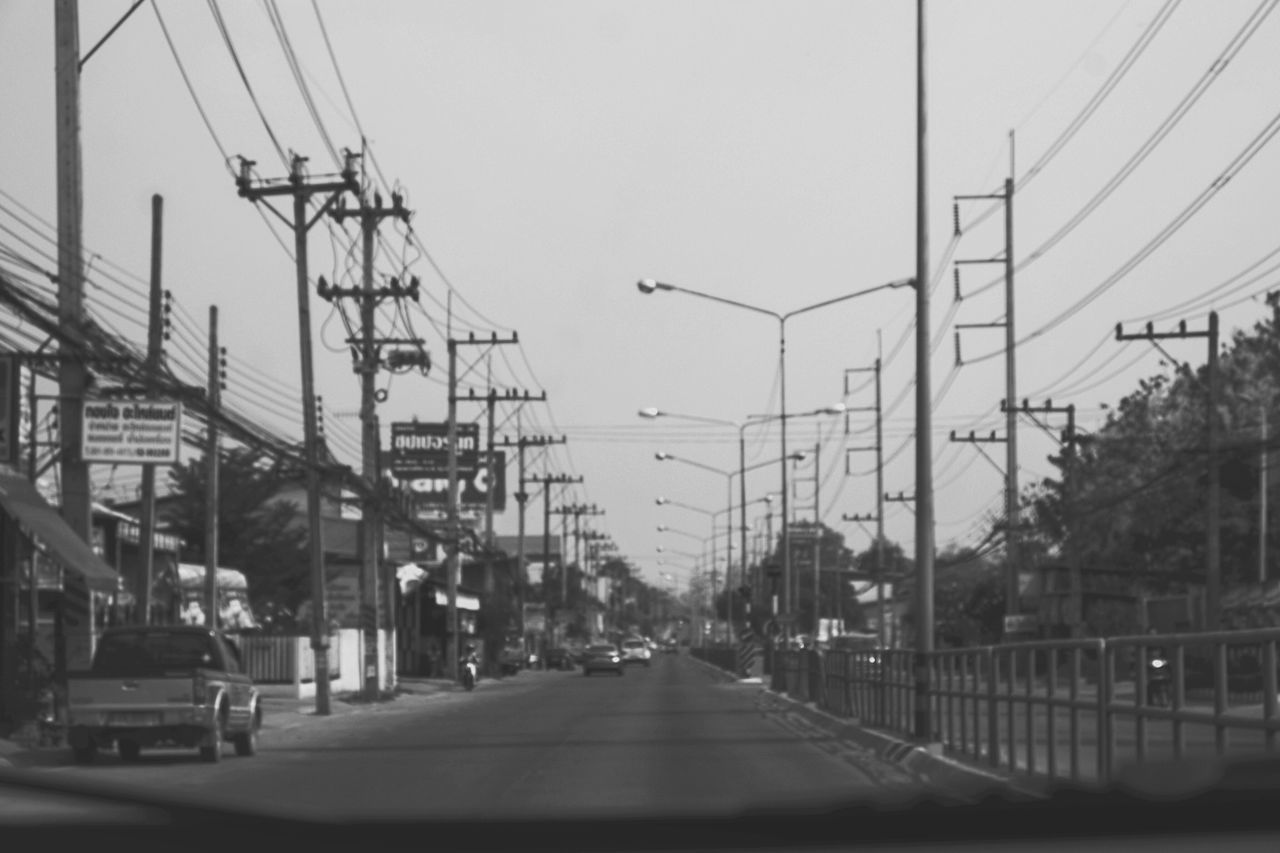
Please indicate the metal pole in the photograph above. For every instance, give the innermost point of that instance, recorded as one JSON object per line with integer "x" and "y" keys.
{"x": 1262, "y": 500}
{"x": 1012, "y": 516}
{"x": 155, "y": 337}
{"x": 787, "y": 604}
{"x": 1215, "y": 491}
{"x": 880, "y": 633}
{"x": 453, "y": 643}
{"x": 924, "y": 420}
{"x": 817, "y": 545}
{"x": 211, "y": 484}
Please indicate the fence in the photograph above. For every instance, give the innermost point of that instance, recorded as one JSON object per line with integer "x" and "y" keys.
{"x": 1075, "y": 709}
{"x": 286, "y": 660}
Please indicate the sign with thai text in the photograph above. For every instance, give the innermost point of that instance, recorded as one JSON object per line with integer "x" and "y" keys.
{"x": 419, "y": 447}
{"x": 131, "y": 431}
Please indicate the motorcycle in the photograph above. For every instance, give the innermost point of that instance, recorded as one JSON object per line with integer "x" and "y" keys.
{"x": 1159, "y": 680}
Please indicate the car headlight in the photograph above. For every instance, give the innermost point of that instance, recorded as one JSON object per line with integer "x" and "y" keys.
{"x": 1158, "y": 664}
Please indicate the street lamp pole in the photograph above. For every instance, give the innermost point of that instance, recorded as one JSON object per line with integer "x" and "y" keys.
{"x": 649, "y": 285}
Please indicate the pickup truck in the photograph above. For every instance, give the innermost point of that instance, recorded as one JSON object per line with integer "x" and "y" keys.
{"x": 174, "y": 685}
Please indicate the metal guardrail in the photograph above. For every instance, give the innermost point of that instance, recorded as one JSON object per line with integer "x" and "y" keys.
{"x": 1075, "y": 709}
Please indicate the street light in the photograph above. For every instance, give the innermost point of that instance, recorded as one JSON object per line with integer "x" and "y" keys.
{"x": 836, "y": 409}
{"x": 648, "y": 286}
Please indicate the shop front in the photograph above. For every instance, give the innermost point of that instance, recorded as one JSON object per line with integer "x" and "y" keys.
{"x": 49, "y": 571}
{"x": 422, "y": 621}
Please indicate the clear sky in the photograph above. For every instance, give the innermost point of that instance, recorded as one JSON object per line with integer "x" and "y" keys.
{"x": 555, "y": 152}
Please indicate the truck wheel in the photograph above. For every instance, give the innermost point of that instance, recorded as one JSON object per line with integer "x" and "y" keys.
{"x": 129, "y": 750}
{"x": 84, "y": 754}
{"x": 247, "y": 742}
{"x": 213, "y": 752}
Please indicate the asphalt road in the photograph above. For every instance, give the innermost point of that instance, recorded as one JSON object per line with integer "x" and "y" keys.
{"x": 670, "y": 738}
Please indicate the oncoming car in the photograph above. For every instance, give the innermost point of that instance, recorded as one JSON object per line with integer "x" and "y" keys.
{"x": 635, "y": 650}
{"x": 602, "y": 657}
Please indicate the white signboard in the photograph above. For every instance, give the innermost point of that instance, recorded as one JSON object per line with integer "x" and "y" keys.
{"x": 131, "y": 431}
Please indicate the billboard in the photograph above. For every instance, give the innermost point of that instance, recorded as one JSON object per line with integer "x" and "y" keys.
{"x": 421, "y": 450}
{"x": 131, "y": 431}
{"x": 430, "y": 489}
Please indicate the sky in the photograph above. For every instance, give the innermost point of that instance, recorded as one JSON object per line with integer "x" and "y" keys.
{"x": 553, "y": 153}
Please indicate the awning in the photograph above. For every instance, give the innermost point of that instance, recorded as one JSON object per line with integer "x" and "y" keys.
{"x": 464, "y": 601}
{"x": 21, "y": 500}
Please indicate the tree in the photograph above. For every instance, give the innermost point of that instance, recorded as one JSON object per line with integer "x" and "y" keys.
{"x": 256, "y": 532}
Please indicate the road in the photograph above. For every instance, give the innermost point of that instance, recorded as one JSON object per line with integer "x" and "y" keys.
{"x": 670, "y": 738}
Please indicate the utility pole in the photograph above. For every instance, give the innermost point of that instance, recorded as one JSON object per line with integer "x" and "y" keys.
{"x": 1068, "y": 442}
{"x": 1213, "y": 580}
{"x": 577, "y": 511}
{"x": 156, "y": 332}
{"x": 217, "y": 377}
{"x": 817, "y": 543}
{"x": 73, "y": 374}
{"x": 546, "y": 480}
{"x": 924, "y": 532}
{"x": 367, "y": 362}
{"x": 454, "y": 561}
{"x": 878, "y": 447}
{"x": 301, "y": 190}
{"x": 1011, "y": 507}
{"x": 521, "y": 443}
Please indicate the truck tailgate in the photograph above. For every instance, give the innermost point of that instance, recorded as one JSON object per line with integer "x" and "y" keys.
{"x": 129, "y": 701}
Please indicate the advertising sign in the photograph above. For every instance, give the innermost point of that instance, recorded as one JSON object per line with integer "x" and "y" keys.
{"x": 10, "y": 404}
{"x": 417, "y": 448}
{"x": 131, "y": 431}
{"x": 431, "y": 488}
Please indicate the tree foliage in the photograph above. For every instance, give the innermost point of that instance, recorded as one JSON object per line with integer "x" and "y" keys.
{"x": 1133, "y": 496}
{"x": 257, "y": 533}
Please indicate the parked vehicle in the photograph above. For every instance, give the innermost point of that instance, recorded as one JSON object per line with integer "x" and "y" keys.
{"x": 177, "y": 685}
{"x": 559, "y": 659}
{"x": 602, "y": 657}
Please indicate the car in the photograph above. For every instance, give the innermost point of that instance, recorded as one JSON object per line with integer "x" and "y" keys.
{"x": 671, "y": 647}
{"x": 602, "y": 657}
{"x": 636, "y": 650}
{"x": 558, "y": 658}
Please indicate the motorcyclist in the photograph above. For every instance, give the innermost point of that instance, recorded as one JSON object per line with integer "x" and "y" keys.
{"x": 469, "y": 656}
{"x": 1159, "y": 675}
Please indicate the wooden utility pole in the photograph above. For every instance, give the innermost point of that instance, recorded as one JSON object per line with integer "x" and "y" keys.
{"x": 367, "y": 364}
{"x": 155, "y": 337}
{"x": 216, "y": 363}
{"x": 301, "y": 190}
